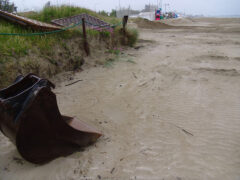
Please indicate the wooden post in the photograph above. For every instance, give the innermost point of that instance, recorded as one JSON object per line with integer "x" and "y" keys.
{"x": 85, "y": 43}
{"x": 124, "y": 21}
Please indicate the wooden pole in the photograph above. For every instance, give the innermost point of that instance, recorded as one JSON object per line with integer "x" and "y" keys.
{"x": 124, "y": 21}
{"x": 85, "y": 43}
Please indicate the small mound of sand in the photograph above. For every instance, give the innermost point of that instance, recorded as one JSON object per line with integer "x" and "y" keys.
{"x": 144, "y": 23}
{"x": 178, "y": 21}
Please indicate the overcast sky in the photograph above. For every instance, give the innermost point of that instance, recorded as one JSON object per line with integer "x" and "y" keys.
{"x": 205, "y": 7}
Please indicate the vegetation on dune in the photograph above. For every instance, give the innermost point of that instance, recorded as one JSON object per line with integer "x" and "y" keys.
{"x": 55, "y": 12}
{"x": 19, "y": 45}
{"x": 47, "y": 55}
{"x": 132, "y": 37}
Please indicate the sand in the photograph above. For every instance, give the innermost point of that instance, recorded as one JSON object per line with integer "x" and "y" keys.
{"x": 173, "y": 114}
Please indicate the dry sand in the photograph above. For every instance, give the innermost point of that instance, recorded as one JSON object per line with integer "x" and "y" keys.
{"x": 175, "y": 114}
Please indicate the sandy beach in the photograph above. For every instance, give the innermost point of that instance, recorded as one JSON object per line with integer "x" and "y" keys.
{"x": 168, "y": 108}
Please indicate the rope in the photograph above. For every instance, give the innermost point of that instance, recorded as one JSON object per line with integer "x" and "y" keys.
{"x": 56, "y": 31}
{"x": 113, "y": 26}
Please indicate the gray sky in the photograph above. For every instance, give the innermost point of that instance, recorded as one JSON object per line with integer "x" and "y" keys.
{"x": 205, "y": 7}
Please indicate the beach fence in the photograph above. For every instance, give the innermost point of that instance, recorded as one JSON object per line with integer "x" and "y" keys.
{"x": 90, "y": 21}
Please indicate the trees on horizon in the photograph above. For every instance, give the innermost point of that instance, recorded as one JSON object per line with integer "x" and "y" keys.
{"x": 6, "y": 5}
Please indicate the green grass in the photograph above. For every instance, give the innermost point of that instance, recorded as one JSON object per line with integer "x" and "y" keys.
{"x": 18, "y": 46}
{"x": 117, "y": 55}
{"x": 55, "y": 12}
{"x": 10, "y": 45}
{"x": 132, "y": 36}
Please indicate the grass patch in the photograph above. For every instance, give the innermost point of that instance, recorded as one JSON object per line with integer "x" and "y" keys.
{"x": 54, "y": 12}
{"x": 116, "y": 54}
{"x": 18, "y": 46}
{"x": 109, "y": 62}
{"x": 131, "y": 61}
{"x": 115, "y": 51}
{"x": 132, "y": 36}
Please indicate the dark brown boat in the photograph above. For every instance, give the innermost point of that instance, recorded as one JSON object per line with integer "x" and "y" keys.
{"x": 30, "y": 118}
